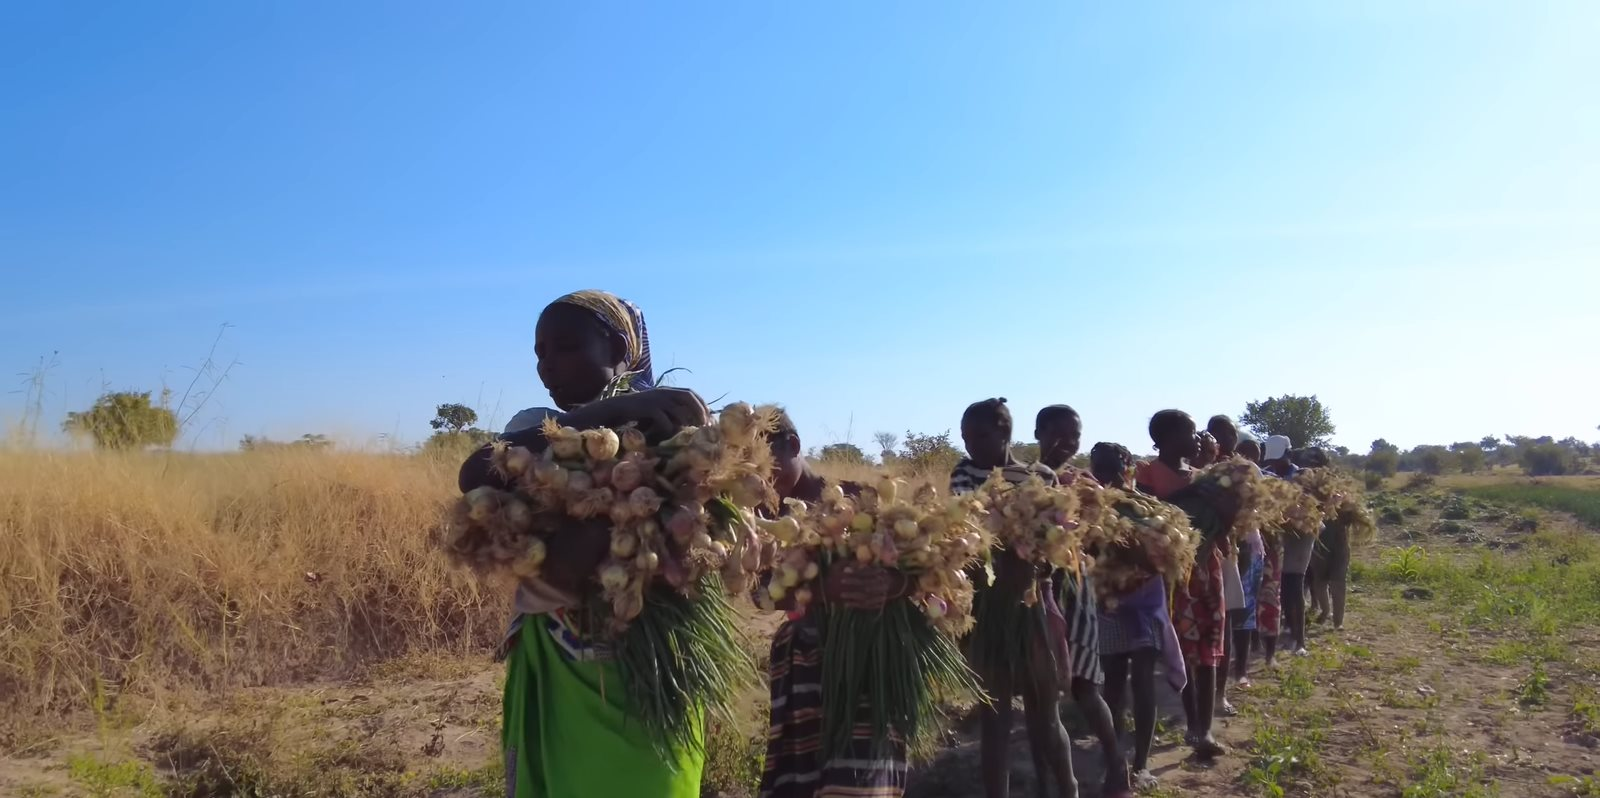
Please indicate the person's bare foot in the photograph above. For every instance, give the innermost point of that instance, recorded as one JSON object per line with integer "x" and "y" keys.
{"x": 1144, "y": 780}
{"x": 1207, "y": 748}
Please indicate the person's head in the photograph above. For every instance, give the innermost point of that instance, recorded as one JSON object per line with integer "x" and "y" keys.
{"x": 1111, "y": 464}
{"x": 986, "y": 432}
{"x": 1227, "y": 435}
{"x": 1310, "y": 457}
{"x": 1208, "y": 450}
{"x": 587, "y": 339}
{"x": 1059, "y": 431}
{"x": 1276, "y": 450}
{"x": 788, "y": 456}
{"x": 1172, "y": 431}
{"x": 1249, "y": 449}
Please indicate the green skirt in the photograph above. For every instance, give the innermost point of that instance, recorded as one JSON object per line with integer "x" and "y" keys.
{"x": 567, "y": 733}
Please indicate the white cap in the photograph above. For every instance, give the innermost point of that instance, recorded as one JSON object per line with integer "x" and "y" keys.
{"x": 1276, "y": 447}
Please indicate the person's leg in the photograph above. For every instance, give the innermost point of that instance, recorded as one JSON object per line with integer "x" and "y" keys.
{"x": 1205, "y": 745}
{"x": 1144, "y": 707}
{"x": 1116, "y": 687}
{"x": 1294, "y": 611}
{"x": 1086, "y": 694}
{"x": 1041, "y": 707}
{"x": 1339, "y": 577}
{"x": 1315, "y": 588}
{"x": 1241, "y": 655}
{"x": 1339, "y": 583}
{"x": 1191, "y": 708}
{"x": 995, "y": 740}
{"x": 1223, "y": 707}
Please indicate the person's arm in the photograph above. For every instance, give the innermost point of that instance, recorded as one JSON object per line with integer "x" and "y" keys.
{"x": 658, "y": 412}
{"x": 865, "y": 587}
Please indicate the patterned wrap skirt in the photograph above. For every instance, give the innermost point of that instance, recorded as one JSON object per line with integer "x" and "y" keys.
{"x": 794, "y": 766}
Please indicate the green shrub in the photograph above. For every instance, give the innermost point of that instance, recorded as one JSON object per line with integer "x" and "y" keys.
{"x": 1418, "y": 482}
{"x": 1455, "y": 508}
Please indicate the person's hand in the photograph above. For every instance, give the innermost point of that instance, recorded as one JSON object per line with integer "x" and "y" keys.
{"x": 659, "y": 412}
{"x": 863, "y": 587}
{"x": 1014, "y": 575}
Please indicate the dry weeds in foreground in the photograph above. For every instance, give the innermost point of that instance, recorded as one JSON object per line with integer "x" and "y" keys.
{"x": 125, "y": 572}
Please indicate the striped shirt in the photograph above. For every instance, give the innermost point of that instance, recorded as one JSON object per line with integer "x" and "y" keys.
{"x": 966, "y": 477}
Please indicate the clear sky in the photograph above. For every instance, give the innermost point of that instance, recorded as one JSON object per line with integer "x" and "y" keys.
{"x": 873, "y": 212}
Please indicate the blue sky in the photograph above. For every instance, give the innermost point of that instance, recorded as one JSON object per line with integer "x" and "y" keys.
{"x": 873, "y": 212}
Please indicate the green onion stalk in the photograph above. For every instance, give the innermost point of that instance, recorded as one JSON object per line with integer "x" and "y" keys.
{"x": 890, "y": 669}
{"x": 680, "y": 661}
{"x": 1005, "y": 630}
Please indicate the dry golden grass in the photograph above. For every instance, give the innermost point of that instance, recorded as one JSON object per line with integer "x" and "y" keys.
{"x": 146, "y": 587}
{"x": 126, "y": 572}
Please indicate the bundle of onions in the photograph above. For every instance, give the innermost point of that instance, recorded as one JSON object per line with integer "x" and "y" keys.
{"x": 1260, "y": 501}
{"x": 1342, "y": 501}
{"x": 1142, "y": 537}
{"x": 900, "y": 663}
{"x": 1037, "y": 530}
{"x": 1295, "y": 511}
{"x": 1038, "y": 523}
{"x": 681, "y": 520}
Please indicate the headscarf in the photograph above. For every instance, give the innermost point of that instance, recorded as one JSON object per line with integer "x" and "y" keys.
{"x": 626, "y": 320}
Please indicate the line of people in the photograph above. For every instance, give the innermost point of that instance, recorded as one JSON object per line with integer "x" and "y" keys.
{"x": 565, "y": 735}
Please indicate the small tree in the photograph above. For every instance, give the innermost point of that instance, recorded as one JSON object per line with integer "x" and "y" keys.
{"x": 454, "y": 433}
{"x": 1489, "y": 443}
{"x": 1469, "y": 456}
{"x": 843, "y": 454}
{"x": 1545, "y": 460}
{"x": 929, "y": 454}
{"x": 453, "y": 418}
{"x": 1384, "y": 462}
{"x": 1302, "y": 418}
{"x": 126, "y": 420}
{"x": 886, "y": 442}
{"x": 1432, "y": 459}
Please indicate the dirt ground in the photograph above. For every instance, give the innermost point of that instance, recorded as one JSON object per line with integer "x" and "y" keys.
{"x": 1410, "y": 699}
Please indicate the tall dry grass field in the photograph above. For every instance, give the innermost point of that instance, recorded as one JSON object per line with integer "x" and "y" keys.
{"x": 128, "y": 572}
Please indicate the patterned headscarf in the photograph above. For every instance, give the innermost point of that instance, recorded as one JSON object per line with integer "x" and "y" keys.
{"x": 626, "y": 320}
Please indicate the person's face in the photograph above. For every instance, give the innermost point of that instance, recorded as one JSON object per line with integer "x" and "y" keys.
{"x": 577, "y": 355}
{"x": 1182, "y": 440}
{"x": 1250, "y": 450}
{"x": 1059, "y": 439}
{"x": 1227, "y": 435}
{"x": 986, "y": 442}
{"x": 1207, "y": 451}
{"x": 788, "y": 465}
{"x": 1108, "y": 469}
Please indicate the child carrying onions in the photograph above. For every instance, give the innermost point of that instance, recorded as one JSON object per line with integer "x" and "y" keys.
{"x": 1059, "y": 430}
{"x": 795, "y": 766}
{"x": 986, "y": 431}
{"x": 1199, "y": 610}
{"x": 1134, "y": 635}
